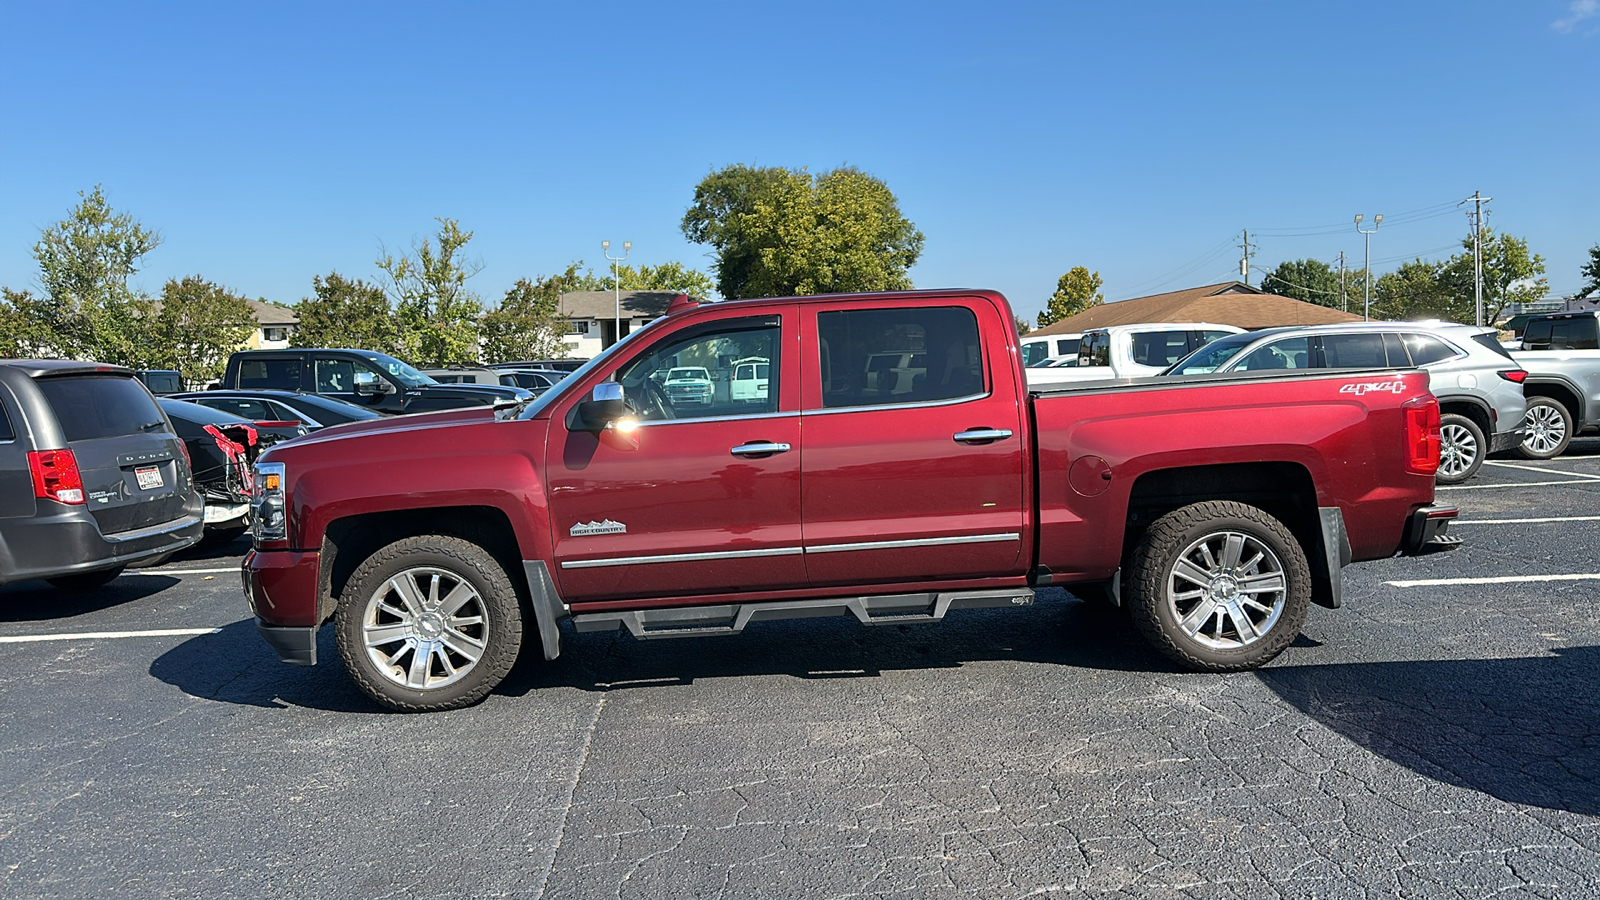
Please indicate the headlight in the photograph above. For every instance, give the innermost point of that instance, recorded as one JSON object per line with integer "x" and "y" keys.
{"x": 269, "y": 507}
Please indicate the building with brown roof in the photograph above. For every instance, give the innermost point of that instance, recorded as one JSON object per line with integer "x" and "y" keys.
{"x": 1229, "y": 303}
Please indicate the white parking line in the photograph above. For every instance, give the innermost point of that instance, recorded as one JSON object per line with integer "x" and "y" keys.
{"x": 102, "y": 635}
{"x": 1517, "y": 484}
{"x": 1505, "y": 465}
{"x": 234, "y": 569}
{"x": 1501, "y": 579}
{"x": 1459, "y": 522}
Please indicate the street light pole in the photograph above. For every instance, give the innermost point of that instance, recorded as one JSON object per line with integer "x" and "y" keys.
{"x": 616, "y": 285}
{"x": 1366, "y": 311}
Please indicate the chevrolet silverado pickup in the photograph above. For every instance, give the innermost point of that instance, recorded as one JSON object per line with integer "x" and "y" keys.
{"x": 1214, "y": 509}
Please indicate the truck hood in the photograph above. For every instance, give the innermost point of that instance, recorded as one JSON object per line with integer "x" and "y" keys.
{"x": 411, "y": 422}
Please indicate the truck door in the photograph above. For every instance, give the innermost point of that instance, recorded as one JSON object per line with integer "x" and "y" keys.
{"x": 708, "y": 501}
{"x": 915, "y": 481}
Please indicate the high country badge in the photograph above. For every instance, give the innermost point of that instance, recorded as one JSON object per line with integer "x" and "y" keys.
{"x": 585, "y": 529}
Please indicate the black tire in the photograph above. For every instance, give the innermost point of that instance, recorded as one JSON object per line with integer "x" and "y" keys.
{"x": 86, "y": 581}
{"x": 1461, "y": 449}
{"x": 1179, "y": 534}
{"x": 373, "y": 603}
{"x": 1548, "y": 426}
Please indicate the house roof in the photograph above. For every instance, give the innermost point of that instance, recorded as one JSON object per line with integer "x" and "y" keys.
{"x": 272, "y": 313}
{"x": 603, "y": 304}
{"x": 1228, "y": 303}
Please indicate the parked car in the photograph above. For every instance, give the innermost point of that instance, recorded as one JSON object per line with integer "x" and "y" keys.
{"x": 536, "y": 381}
{"x": 161, "y": 382}
{"x": 92, "y": 476}
{"x": 1132, "y": 351}
{"x": 1052, "y": 362}
{"x": 566, "y": 364}
{"x": 689, "y": 386}
{"x": 750, "y": 380}
{"x": 440, "y": 552}
{"x": 269, "y": 416}
{"x": 223, "y": 448}
{"x": 313, "y": 411}
{"x": 1478, "y": 383}
{"x": 1561, "y": 352}
{"x": 1038, "y": 347}
{"x": 363, "y": 377}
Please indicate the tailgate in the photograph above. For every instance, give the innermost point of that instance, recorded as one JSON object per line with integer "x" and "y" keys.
{"x": 131, "y": 481}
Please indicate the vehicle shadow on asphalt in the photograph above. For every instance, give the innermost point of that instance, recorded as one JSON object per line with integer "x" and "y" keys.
{"x": 234, "y": 665}
{"x": 1522, "y": 730}
{"x": 35, "y": 601}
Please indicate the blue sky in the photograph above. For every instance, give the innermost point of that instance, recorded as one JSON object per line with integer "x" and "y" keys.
{"x": 273, "y": 142}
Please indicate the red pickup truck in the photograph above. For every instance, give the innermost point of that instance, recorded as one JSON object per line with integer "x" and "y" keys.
{"x": 1215, "y": 508}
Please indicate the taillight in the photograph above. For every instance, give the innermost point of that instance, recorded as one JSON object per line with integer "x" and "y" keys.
{"x": 188, "y": 461}
{"x": 1422, "y": 435}
{"x": 55, "y": 476}
{"x": 1516, "y": 375}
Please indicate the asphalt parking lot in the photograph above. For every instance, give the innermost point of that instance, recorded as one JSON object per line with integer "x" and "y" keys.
{"x": 1439, "y": 736}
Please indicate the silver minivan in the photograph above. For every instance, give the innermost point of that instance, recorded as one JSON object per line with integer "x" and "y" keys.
{"x": 1478, "y": 384}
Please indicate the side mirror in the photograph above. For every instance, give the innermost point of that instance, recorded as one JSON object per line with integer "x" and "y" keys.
{"x": 605, "y": 407}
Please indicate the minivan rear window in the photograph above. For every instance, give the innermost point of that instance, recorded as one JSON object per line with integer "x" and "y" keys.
{"x": 6, "y": 431}
{"x": 97, "y": 406}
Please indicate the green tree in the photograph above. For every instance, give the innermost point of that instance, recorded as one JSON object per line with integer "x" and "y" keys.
{"x": 1022, "y": 325}
{"x": 194, "y": 328}
{"x": 25, "y": 329}
{"x": 345, "y": 313}
{"x": 1310, "y": 280}
{"x": 781, "y": 231}
{"x": 435, "y": 313}
{"x": 1419, "y": 290}
{"x": 528, "y": 323}
{"x": 85, "y": 261}
{"x": 1591, "y": 271}
{"x": 1511, "y": 274}
{"x": 1076, "y": 291}
{"x": 668, "y": 276}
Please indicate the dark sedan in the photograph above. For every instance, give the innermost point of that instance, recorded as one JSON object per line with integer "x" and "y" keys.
{"x": 310, "y": 410}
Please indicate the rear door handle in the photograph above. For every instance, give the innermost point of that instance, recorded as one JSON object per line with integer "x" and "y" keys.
{"x": 760, "y": 448}
{"x": 981, "y": 435}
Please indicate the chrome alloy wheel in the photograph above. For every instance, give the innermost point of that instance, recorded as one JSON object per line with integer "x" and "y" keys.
{"x": 1227, "y": 590}
{"x": 425, "y": 628}
{"x": 1458, "y": 450}
{"x": 1546, "y": 428}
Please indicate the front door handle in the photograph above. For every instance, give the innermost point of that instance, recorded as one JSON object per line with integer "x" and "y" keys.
{"x": 759, "y": 448}
{"x": 981, "y": 435}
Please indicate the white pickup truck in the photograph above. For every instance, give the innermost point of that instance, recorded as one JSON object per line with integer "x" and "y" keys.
{"x": 1131, "y": 351}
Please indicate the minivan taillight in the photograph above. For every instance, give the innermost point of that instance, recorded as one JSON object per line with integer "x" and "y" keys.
{"x": 55, "y": 476}
{"x": 1422, "y": 435}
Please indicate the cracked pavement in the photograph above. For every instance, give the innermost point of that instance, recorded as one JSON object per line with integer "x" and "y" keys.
{"x": 1435, "y": 741}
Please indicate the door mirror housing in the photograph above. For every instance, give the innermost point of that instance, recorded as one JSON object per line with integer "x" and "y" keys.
{"x": 605, "y": 406}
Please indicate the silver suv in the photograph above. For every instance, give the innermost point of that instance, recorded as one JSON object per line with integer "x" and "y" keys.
{"x": 1478, "y": 384}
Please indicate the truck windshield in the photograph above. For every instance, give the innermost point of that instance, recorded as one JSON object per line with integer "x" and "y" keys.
{"x": 402, "y": 372}
{"x": 1210, "y": 357}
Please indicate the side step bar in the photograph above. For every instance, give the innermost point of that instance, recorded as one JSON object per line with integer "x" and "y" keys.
{"x": 894, "y": 609}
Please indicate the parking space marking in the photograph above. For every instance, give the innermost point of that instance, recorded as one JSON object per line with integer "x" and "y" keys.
{"x": 1459, "y": 522}
{"x": 1513, "y": 484}
{"x": 1498, "y": 579}
{"x": 1505, "y": 465}
{"x": 103, "y": 635}
{"x": 183, "y": 571}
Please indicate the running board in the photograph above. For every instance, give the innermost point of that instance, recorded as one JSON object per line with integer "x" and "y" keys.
{"x": 894, "y": 609}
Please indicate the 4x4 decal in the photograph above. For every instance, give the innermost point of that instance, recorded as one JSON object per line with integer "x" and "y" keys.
{"x": 1373, "y": 387}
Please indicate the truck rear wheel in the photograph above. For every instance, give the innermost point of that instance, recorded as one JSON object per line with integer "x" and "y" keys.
{"x": 1218, "y": 586}
{"x": 428, "y": 623}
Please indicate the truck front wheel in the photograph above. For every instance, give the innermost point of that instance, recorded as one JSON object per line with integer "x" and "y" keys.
{"x": 1219, "y": 586}
{"x": 428, "y": 623}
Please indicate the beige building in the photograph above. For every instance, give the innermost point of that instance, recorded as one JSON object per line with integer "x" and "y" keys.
{"x": 592, "y": 317}
{"x": 274, "y": 325}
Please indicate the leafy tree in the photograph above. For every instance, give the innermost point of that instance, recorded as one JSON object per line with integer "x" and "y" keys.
{"x": 1310, "y": 280}
{"x": 345, "y": 313}
{"x": 1419, "y": 290}
{"x": 528, "y": 323}
{"x": 25, "y": 329}
{"x": 85, "y": 261}
{"x": 1591, "y": 271}
{"x": 668, "y": 276}
{"x": 435, "y": 314}
{"x": 1510, "y": 274}
{"x": 196, "y": 326}
{"x": 780, "y": 231}
{"x": 1076, "y": 291}
{"x": 1022, "y": 325}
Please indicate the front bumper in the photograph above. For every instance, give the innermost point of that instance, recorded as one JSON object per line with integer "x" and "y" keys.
{"x": 1427, "y": 531}
{"x": 283, "y": 590}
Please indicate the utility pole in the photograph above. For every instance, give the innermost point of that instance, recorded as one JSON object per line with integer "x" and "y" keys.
{"x": 1478, "y": 200}
{"x": 1244, "y": 263}
{"x": 1344, "y": 303}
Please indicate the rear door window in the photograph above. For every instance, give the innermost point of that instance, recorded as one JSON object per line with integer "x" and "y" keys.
{"x": 1395, "y": 349}
{"x": 873, "y": 357}
{"x": 1289, "y": 353}
{"x": 1160, "y": 348}
{"x": 98, "y": 406}
{"x": 281, "y": 374}
{"x": 1351, "y": 351}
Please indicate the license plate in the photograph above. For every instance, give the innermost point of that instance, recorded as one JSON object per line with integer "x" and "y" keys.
{"x": 149, "y": 477}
